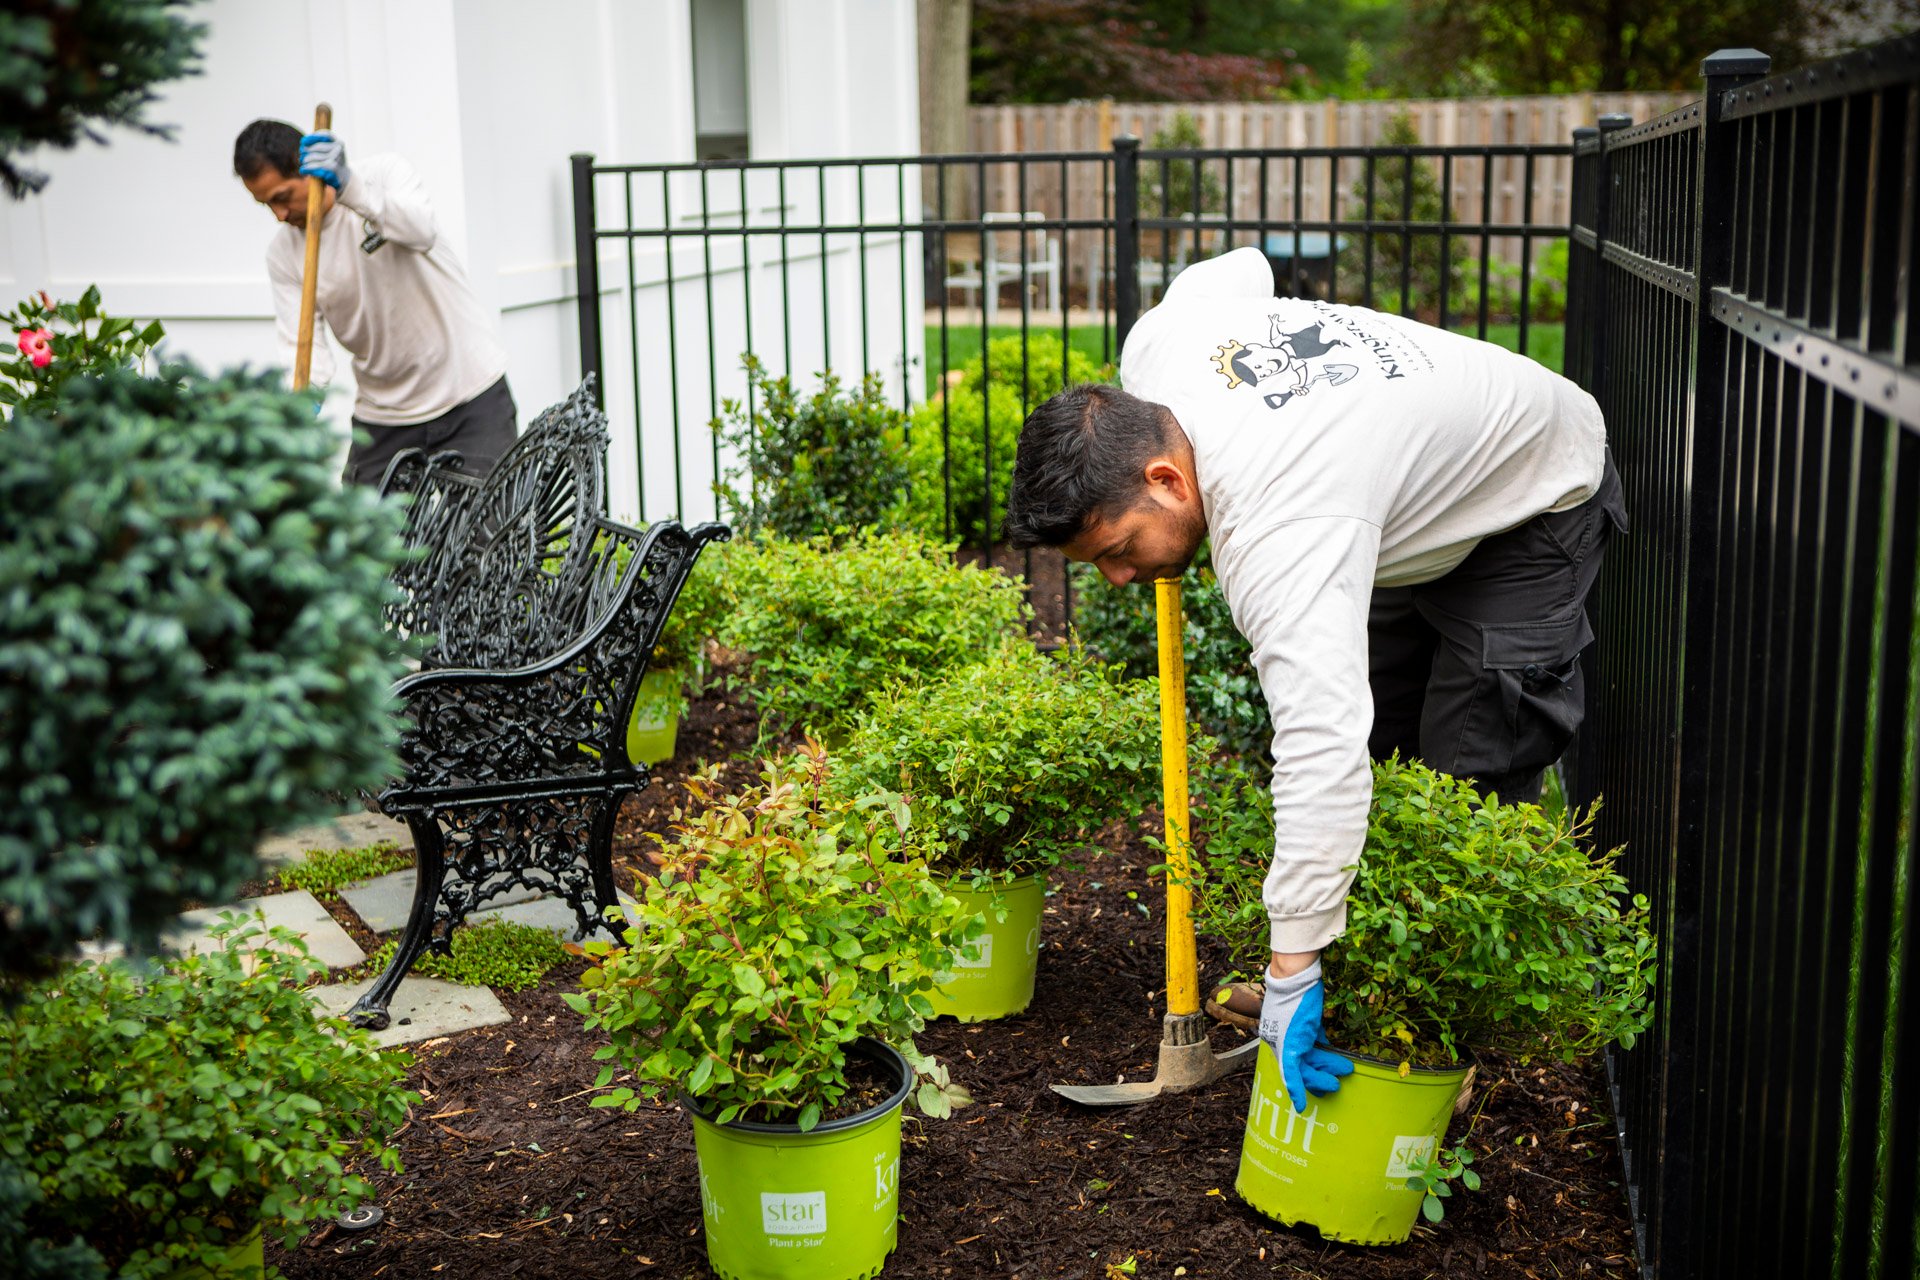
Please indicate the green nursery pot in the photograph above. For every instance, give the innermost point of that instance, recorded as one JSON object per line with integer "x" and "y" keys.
{"x": 1343, "y": 1165}
{"x": 780, "y": 1204}
{"x": 995, "y": 979}
{"x": 655, "y": 726}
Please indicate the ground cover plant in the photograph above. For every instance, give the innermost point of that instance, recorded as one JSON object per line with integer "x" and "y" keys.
{"x": 324, "y": 872}
{"x": 1471, "y": 925}
{"x": 191, "y": 643}
{"x": 504, "y": 954}
{"x": 823, "y": 625}
{"x": 159, "y": 1117}
{"x": 779, "y": 929}
{"x": 1012, "y": 763}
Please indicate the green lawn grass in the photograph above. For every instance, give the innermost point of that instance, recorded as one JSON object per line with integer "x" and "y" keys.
{"x": 1546, "y": 343}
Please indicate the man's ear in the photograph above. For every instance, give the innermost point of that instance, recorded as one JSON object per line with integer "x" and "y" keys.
{"x": 1167, "y": 474}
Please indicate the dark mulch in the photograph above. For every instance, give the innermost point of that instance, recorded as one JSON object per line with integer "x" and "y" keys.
{"x": 509, "y": 1172}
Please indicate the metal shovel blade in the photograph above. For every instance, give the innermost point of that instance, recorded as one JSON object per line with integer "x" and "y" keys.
{"x": 1187, "y": 1061}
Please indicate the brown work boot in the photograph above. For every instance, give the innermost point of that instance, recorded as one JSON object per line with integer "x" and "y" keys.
{"x": 1237, "y": 1004}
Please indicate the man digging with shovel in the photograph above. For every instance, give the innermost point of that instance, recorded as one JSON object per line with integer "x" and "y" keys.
{"x": 1405, "y": 524}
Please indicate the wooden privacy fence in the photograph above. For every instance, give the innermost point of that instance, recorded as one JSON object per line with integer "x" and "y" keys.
{"x": 1483, "y": 190}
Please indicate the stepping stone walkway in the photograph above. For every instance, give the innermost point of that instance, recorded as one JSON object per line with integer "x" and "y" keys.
{"x": 422, "y": 1009}
{"x": 348, "y": 831}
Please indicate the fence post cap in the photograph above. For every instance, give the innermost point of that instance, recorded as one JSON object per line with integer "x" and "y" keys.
{"x": 1585, "y": 131}
{"x": 582, "y": 155}
{"x": 1736, "y": 62}
{"x": 1615, "y": 120}
{"x": 1126, "y": 142}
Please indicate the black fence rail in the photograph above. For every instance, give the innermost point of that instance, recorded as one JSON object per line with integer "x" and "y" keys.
{"x": 894, "y": 268}
{"x": 1741, "y": 303}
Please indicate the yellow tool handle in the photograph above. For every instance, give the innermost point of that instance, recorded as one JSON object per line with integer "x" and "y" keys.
{"x": 310, "y": 277}
{"x": 1183, "y": 981}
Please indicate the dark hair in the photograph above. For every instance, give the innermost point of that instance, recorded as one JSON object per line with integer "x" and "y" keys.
{"x": 1081, "y": 454}
{"x": 263, "y": 143}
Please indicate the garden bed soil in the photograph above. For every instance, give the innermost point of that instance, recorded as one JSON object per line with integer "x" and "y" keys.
{"x": 511, "y": 1173}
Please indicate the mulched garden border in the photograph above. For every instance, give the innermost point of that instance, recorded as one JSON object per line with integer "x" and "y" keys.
{"x": 510, "y": 1172}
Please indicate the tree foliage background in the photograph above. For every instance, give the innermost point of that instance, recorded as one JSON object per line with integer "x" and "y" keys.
{"x": 1210, "y": 50}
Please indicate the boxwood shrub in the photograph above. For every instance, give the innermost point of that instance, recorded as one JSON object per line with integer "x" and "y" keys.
{"x": 191, "y": 648}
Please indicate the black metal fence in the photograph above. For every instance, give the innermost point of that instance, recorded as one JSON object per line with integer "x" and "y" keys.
{"x": 1742, "y": 306}
{"x": 896, "y": 268}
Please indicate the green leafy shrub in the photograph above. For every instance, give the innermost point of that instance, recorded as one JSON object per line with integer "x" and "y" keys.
{"x": 1546, "y": 290}
{"x": 945, "y": 441}
{"x": 65, "y": 67}
{"x": 323, "y": 872}
{"x": 191, "y": 647}
{"x": 51, "y": 343}
{"x": 1410, "y": 192}
{"x": 158, "y": 1118}
{"x": 1223, "y": 692}
{"x": 1167, "y": 188}
{"x": 503, "y": 954}
{"x": 1011, "y": 763}
{"x": 814, "y": 464}
{"x": 778, "y": 931}
{"x": 826, "y": 626}
{"x": 1470, "y": 925}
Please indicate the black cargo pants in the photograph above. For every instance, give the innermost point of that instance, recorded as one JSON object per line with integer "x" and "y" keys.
{"x": 1478, "y": 673}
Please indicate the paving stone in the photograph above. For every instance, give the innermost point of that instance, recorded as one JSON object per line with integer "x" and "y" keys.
{"x": 300, "y": 912}
{"x": 348, "y": 831}
{"x": 421, "y": 1009}
{"x": 384, "y": 901}
{"x": 552, "y": 914}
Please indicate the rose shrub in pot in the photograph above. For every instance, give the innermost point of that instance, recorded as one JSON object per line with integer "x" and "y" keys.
{"x": 1471, "y": 925}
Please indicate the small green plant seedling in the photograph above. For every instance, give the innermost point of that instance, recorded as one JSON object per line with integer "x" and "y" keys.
{"x": 1435, "y": 1173}
{"x": 503, "y": 954}
{"x": 324, "y": 872}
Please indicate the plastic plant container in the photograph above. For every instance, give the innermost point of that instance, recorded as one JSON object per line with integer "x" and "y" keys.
{"x": 994, "y": 978}
{"x": 655, "y": 727}
{"x": 1343, "y": 1165}
{"x": 780, "y": 1204}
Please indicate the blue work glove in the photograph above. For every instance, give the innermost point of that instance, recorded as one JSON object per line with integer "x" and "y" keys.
{"x": 1290, "y": 1022}
{"x": 324, "y": 156}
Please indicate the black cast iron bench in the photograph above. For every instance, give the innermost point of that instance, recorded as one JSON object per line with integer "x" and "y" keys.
{"x": 543, "y": 615}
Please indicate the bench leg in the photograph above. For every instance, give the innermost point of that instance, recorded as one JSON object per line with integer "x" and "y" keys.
{"x": 430, "y": 869}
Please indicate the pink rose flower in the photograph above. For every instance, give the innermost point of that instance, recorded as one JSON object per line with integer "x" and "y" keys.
{"x": 38, "y": 345}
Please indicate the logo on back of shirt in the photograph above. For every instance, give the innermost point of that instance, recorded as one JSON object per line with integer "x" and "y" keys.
{"x": 1279, "y": 368}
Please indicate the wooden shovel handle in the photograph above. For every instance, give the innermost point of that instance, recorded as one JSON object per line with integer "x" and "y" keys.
{"x": 310, "y": 276}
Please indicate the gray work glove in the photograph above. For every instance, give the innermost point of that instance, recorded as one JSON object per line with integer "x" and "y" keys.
{"x": 1290, "y": 1022}
{"x": 324, "y": 156}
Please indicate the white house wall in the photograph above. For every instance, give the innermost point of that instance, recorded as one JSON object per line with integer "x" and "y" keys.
{"x": 488, "y": 98}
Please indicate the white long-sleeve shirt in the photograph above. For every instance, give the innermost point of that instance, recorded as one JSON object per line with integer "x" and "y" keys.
{"x": 420, "y": 340}
{"x": 1338, "y": 449}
